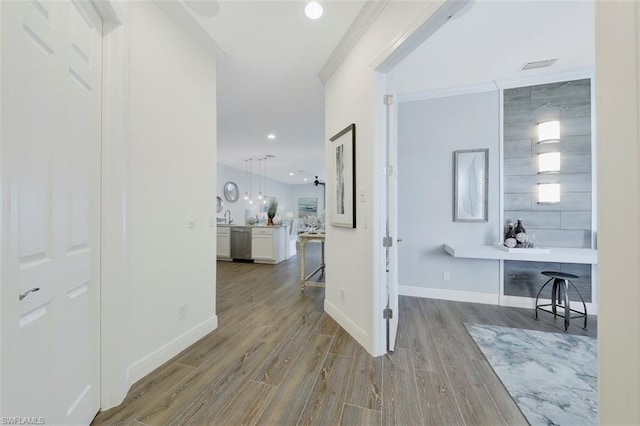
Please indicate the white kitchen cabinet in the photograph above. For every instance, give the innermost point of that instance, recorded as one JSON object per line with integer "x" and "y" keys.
{"x": 268, "y": 244}
{"x": 223, "y": 249}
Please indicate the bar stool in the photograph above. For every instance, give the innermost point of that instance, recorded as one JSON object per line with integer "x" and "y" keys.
{"x": 560, "y": 294}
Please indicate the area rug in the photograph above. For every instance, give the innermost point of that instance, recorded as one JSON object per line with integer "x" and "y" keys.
{"x": 552, "y": 377}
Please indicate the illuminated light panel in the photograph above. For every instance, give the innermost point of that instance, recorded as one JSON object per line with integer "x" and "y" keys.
{"x": 548, "y": 193}
{"x": 549, "y": 162}
{"x": 549, "y": 132}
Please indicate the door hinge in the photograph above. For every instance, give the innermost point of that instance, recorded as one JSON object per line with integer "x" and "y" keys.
{"x": 388, "y": 99}
{"x": 387, "y": 242}
{"x": 387, "y": 313}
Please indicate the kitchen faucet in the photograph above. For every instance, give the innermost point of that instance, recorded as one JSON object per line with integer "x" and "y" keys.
{"x": 225, "y": 216}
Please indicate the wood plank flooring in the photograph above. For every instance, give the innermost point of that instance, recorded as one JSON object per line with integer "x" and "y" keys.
{"x": 278, "y": 359}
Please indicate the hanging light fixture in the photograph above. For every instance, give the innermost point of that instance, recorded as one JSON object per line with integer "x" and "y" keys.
{"x": 250, "y": 180}
{"x": 246, "y": 184}
{"x": 260, "y": 179}
{"x": 264, "y": 178}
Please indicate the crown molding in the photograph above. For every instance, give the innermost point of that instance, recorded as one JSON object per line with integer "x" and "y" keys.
{"x": 358, "y": 27}
{"x": 446, "y": 92}
{"x": 176, "y": 11}
{"x": 110, "y": 11}
{"x": 548, "y": 77}
{"x": 500, "y": 84}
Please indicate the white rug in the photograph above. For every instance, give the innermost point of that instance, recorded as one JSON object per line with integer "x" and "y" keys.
{"x": 552, "y": 377}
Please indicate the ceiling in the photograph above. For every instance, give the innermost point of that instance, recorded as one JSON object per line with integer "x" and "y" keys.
{"x": 491, "y": 40}
{"x": 269, "y": 83}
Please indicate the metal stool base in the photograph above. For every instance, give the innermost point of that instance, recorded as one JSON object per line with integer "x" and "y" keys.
{"x": 560, "y": 299}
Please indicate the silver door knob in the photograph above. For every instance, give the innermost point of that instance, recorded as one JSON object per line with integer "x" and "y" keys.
{"x": 26, "y": 293}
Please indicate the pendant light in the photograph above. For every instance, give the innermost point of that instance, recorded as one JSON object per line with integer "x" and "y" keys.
{"x": 250, "y": 180}
{"x": 246, "y": 184}
{"x": 260, "y": 179}
{"x": 264, "y": 178}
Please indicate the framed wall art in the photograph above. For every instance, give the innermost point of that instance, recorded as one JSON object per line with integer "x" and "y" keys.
{"x": 307, "y": 206}
{"x": 343, "y": 160}
{"x": 470, "y": 187}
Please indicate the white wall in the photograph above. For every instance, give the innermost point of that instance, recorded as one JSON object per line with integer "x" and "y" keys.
{"x": 355, "y": 266}
{"x": 172, "y": 175}
{"x": 618, "y": 152}
{"x": 428, "y": 133}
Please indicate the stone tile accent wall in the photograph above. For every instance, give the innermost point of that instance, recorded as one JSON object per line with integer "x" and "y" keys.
{"x": 525, "y": 279}
{"x": 568, "y": 223}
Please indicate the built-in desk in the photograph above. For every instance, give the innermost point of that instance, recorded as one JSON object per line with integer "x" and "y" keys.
{"x": 559, "y": 255}
{"x": 551, "y": 255}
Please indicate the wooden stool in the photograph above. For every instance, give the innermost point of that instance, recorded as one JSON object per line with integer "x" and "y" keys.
{"x": 560, "y": 294}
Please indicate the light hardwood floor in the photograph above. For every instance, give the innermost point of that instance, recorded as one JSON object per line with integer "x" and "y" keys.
{"x": 278, "y": 359}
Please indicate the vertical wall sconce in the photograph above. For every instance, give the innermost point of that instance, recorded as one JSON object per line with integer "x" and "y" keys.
{"x": 548, "y": 193}
{"x": 549, "y": 162}
{"x": 549, "y": 132}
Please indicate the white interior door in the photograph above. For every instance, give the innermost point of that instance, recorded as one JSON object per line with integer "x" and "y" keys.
{"x": 392, "y": 221}
{"x": 50, "y": 172}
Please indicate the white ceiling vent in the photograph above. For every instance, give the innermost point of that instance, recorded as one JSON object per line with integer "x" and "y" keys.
{"x": 538, "y": 64}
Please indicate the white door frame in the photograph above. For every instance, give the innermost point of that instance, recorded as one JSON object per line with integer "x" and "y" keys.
{"x": 114, "y": 303}
{"x": 434, "y": 16}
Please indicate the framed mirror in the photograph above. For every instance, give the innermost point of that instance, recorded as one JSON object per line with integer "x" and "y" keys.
{"x": 219, "y": 205}
{"x": 231, "y": 192}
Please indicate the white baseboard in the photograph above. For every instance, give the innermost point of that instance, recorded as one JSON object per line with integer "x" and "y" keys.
{"x": 345, "y": 322}
{"x": 150, "y": 362}
{"x": 530, "y": 303}
{"x": 454, "y": 295}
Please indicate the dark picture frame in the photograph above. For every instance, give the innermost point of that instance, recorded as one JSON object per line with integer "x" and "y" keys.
{"x": 343, "y": 207}
{"x": 471, "y": 185}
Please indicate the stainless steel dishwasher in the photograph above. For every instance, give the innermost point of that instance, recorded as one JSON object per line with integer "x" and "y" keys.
{"x": 241, "y": 243}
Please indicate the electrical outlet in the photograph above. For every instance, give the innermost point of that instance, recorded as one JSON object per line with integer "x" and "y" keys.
{"x": 182, "y": 311}
{"x": 446, "y": 276}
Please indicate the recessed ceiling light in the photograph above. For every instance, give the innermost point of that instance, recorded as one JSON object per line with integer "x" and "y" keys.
{"x": 313, "y": 10}
{"x": 271, "y": 136}
{"x": 290, "y": 173}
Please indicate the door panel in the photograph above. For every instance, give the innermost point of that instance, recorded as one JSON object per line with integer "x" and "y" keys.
{"x": 392, "y": 222}
{"x": 51, "y": 108}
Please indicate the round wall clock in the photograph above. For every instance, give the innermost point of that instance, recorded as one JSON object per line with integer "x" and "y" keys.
{"x": 219, "y": 205}
{"x": 231, "y": 192}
